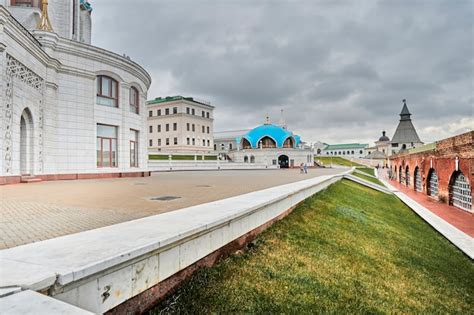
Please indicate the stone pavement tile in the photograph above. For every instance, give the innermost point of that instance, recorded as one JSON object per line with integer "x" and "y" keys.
{"x": 30, "y": 213}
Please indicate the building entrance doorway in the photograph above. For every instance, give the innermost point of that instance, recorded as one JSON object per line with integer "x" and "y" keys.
{"x": 26, "y": 143}
{"x": 283, "y": 161}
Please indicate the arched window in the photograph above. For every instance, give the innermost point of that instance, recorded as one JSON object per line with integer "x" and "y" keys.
{"x": 432, "y": 184}
{"x": 252, "y": 159}
{"x": 107, "y": 91}
{"x": 289, "y": 143}
{"x": 460, "y": 191}
{"x": 246, "y": 144}
{"x": 418, "y": 181}
{"x": 267, "y": 143}
{"x": 352, "y": 152}
{"x": 134, "y": 100}
{"x": 246, "y": 159}
{"x": 407, "y": 176}
{"x": 319, "y": 151}
{"x": 230, "y": 146}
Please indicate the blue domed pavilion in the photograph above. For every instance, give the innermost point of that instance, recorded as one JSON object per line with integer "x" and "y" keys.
{"x": 268, "y": 136}
{"x": 269, "y": 144}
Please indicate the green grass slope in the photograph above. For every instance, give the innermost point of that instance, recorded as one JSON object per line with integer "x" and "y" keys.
{"x": 348, "y": 249}
{"x": 335, "y": 160}
{"x": 369, "y": 179}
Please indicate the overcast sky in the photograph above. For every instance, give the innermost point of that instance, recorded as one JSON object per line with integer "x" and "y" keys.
{"x": 339, "y": 69}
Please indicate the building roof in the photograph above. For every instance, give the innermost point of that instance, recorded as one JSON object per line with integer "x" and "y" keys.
{"x": 166, "y": 99}
{"x": 229, "y": 134}
{"x": 277, "y": 133}
{"x": 405, "y": 132}
{"x": 376, "y": 155}
{"x": 346, "y": 146}
{"x": 384, "y": 137}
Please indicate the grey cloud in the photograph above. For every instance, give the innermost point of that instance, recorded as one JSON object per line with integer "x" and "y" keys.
{"x": 334, "y": 66}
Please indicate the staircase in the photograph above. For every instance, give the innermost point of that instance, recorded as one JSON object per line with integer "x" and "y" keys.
{"x": 27, "y": 179}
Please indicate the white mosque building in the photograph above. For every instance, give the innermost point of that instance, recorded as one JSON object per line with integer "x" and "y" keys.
{"x": 267, "y": 144}
{"x": 68, "y": 109}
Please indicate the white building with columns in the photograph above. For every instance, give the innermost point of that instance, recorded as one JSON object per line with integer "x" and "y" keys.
{"x": 67, "y": 109}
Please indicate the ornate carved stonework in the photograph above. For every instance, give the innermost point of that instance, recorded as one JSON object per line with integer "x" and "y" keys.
{"x": 15, "y": 69}
{"x": 18, "y": 70}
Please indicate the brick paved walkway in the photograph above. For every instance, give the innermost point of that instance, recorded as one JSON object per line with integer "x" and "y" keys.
{"x": 34, "y": 212}
{"x": 461, "y": 219}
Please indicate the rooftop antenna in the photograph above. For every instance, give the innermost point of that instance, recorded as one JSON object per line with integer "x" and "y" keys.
{"x": 44, "y": 23}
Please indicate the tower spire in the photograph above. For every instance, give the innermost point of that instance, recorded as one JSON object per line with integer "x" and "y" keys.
{"x": 44, "y": 23}
{"x": 405, "y": 114}
{"x": 267, "y": 120}
{"x": 282, "y": 120}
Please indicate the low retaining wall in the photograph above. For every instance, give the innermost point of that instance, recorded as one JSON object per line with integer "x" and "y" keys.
{"x": 139, "y": 261}
{"x": 368, "y": 184}
{"x": 8, "y": 180}
{"x": 170, "y": 165}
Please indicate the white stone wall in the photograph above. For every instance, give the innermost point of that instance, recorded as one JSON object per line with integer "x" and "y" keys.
{"x": 346, "y": 153}
{"x": 2, "y": 100}
{"x": 60, "y": 15}
{"x": 63, "y": 108}
{"x": 267, "y": 156}
{"x": 85, "y": 27}
{"x": 223, "y": 145}
{"x": 28, "y": 17}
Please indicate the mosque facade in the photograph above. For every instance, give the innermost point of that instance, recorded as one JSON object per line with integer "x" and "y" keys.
{"x": 68, "y": 109}
{"x": 267, "y": 144}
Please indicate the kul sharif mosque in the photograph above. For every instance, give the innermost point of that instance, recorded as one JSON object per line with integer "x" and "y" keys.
{"x": 267, "y": 144}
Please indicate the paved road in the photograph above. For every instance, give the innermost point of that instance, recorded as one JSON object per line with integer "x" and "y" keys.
{"x": 33, "y": 212}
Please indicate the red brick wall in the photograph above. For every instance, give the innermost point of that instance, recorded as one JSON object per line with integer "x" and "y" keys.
{"x": 443, "y": 161}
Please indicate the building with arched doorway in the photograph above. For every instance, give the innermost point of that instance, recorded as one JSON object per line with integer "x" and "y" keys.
{"x": 68, "y": 109}
{"x": 442, "y": 170}
{"x": 267, "y": 144}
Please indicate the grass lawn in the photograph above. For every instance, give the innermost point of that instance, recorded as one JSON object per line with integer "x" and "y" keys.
{"x": 367, "y": 170}
{"x": 369, "y": 179}
{"x": 348, "y": 249}
{"x": 335, "y": 160}
{"x": 157, "y": 157}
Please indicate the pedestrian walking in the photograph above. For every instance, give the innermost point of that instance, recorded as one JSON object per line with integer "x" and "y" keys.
{"x": 305, "y": 167}
{"x": 301, "y": 168}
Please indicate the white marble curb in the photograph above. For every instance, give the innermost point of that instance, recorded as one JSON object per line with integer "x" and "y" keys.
{"x": 460, "y": 239}
{"x": 32, "y": 303}
{"x": 367, "y": 183}
{"x": 364, "y": 173}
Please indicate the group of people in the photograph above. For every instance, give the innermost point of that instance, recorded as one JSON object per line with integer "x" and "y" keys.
{"x": 303, "y": 168}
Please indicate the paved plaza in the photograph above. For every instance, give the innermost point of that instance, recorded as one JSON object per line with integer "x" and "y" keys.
{"x": 40, "y": 211}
